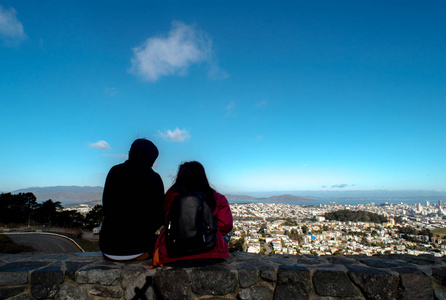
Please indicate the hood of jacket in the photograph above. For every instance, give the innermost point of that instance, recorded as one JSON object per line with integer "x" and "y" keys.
{"x": 143, "y": 151}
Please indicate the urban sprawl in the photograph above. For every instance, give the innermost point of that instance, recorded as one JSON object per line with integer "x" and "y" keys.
{"x": 315, "y": 235}
{"x": 267, "y": 228}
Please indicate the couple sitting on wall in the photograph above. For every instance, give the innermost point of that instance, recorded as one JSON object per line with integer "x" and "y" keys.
{"x": 135, "y": 209}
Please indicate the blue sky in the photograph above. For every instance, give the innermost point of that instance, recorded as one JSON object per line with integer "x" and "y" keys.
{"x": 269, "y": 96}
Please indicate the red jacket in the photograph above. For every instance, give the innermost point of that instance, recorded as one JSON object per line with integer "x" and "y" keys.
{"x": 223, "y": 217}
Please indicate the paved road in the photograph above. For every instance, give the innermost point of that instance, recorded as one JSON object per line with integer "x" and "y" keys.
{"x": 45, "y": 243}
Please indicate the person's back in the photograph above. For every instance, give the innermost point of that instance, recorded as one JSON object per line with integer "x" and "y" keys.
{"x": 132, "y": 201}
{"x": 191, "y": 178}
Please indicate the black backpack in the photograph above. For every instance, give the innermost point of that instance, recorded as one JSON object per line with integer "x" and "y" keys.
{"x": 191, "y": 227}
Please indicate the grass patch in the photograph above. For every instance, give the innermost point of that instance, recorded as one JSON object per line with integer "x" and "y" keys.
{"x": 88, "y": 246}
{"x": 439, "y": 231}
{"x": 8, "y": 246}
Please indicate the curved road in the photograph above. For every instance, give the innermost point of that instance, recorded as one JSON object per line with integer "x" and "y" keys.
{"x": 44, "y": 242}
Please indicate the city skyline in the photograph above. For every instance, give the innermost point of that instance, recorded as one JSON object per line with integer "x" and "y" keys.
{"x": 269, "y": 97}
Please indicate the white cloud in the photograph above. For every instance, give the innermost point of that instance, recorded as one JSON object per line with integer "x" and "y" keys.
{"x": 101, "y": 145}
{"x": 173, "y": 55}
{"x": 11, "y": 29}
{"x": 178, "y": 135}
{"x": 339, "y": 186}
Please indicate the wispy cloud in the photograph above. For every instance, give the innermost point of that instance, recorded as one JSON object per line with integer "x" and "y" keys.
{"x": 230, "y": 108}
{"x": 11, "y": 29}
{"x": 173, "y": 54}
{"x": 178, "y": 135}
{"x": 338, "y": 186}
{"x": 100, "y": 145}
{"x": 111, "y": 91}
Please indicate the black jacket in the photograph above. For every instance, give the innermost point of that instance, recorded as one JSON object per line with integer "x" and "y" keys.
{"x": 132, "y": 201}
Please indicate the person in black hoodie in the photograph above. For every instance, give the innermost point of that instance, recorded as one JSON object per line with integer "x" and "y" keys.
{"x": 132, "y": 202}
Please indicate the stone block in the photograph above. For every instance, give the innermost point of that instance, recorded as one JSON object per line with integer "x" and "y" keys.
{"x": 302, "y": 260}
{"x": 414, "y": 284}
{"x": 13, "y": 278}
{"x": 267, "y": 271}
{"x": 105, "y": 292}
{"x": 72, "y": 291}
{"x": 293, "y": 282}
{"x": 134, "y": 277}
{"x": 215, "y": 280}
{"x": 382, "y": 263}
{"x": 341, "y": 260}
{"x": 45, "y": 282}
{"x": 256, "y": 293}
{"x": 440, "y": 276}
{"x": 440, "y": 294}
{"x": 71, "y": 267}
{"x": 172, "y": 284}
{"x": 6, "y": 292}
{"x": 17, "y": 273}
{"x": 23, "y": 297}
{"x": 102, "y": 275}
{"x": 422, "y": 260}
{"x": 333, "y": 283}
{"x": 58, "y": 257}
{"x": 248, "y": 274}
{"x": 374, "y": 283}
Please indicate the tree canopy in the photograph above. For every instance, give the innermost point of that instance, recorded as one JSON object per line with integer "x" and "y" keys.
{"x": 346, "y": 215}
{"x": 23, "y": 208}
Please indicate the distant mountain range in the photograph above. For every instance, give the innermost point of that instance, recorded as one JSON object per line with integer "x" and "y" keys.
{"x": 280, "y": 198}
{"x": 65, "y": 193}
{"x": 92, "y": 193}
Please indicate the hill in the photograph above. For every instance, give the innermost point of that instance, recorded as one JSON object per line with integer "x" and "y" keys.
{"x": 65, "y": 193}
{"x": 91, "y": 193}
{"x": 355, "y": 216}
{"x": 280, "y": 198}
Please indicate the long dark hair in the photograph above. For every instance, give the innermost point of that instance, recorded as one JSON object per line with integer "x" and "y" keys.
{"x": 191, "y": 178}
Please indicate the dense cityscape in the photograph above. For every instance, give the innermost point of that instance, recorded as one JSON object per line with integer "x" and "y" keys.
{"x": 269, "y": 228}
{"x": 294, "y": 229}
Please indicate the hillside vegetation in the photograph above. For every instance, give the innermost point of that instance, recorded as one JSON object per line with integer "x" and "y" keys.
{"x": 354, "y": 216}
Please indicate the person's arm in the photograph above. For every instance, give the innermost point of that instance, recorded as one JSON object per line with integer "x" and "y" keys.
{"x": 224, "y": 214}
{"x": 168, "y": 199}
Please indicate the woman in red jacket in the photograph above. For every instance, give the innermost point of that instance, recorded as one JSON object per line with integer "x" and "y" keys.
{"x": 192, "y": 178}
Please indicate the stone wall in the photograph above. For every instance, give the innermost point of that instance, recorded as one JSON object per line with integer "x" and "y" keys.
{"x": 242, "y": 276}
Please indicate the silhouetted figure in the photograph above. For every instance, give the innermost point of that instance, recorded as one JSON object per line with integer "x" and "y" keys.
{"x": 191, "y": 178}
{"x": 132, "y": 201}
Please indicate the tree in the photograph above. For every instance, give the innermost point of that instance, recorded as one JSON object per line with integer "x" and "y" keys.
{"x": 47, "y": 212}
{"x": 289, "y": 222}
{"x": 94, "y": 217}
{"x": 355, "y": 216}
{"x": 304, "y": 229}
{"x": 293, "y": 234}
{"x": 69, "y": 218}
{"x": 17, "y": 208}
{"x": 237, "y": 245}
